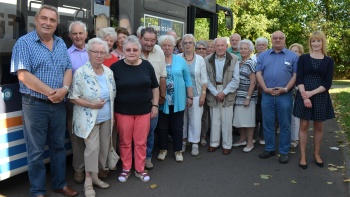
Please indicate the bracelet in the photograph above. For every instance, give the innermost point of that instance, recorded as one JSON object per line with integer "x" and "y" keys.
{"x": 66, "y": 87}
{"x": 155, "y": 105}
{"x": 190, "y": 98}
{"x": 204, "y": 92}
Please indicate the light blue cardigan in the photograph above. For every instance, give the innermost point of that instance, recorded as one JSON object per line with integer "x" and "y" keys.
{"x": 182, "y": 80}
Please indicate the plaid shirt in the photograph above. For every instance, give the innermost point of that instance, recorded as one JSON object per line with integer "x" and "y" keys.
{"x": 30, "y": 54}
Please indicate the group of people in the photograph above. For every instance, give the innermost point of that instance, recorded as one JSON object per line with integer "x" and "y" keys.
{"x": 176, "y": 88}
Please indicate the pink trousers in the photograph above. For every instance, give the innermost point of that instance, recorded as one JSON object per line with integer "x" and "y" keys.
{"x": 133, "y": 128}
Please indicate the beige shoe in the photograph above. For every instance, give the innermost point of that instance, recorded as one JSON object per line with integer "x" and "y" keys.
{"x": 149, "y": 164}
{"x": 178, "y": 156}
{"x": 162, "y": 154}
{"x": 79, "y": 177}
{"x": 101, "y": 184}
{"x": 89, "y": 191}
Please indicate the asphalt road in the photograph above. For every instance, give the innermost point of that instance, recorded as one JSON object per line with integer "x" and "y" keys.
{"x": 215, "y": 174}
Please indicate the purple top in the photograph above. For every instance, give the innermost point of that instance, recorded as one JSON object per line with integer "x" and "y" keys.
{"x": 77, "y": 57}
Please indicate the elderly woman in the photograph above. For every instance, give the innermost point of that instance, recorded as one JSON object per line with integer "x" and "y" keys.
{"x": 109, "y": 35}
{"x": 246, "y": 98}
{"x": 93, "y": 92}
{"x": 201, "y": 48}
{"x": 313, "y": 102}
{"x": 198, "y": 72}
{"x": 179, "y": 46}
{"x": 122, "y": 33}
{"x": 178, "y": 94}
{"x": 210, "y": 48}
{"x": 295, "y": 124}
{"x": 135, "y": 104}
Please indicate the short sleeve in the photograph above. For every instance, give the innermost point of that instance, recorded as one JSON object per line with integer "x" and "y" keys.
{"x": 20, "y": 59}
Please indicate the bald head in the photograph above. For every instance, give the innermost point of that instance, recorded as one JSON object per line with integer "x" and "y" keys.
{"x": 234, "y": 40}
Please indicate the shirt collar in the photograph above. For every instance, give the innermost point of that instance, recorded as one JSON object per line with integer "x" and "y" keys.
{"x": 74, "y": 48}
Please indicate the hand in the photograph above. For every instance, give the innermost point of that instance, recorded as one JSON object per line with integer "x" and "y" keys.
{"x": 57, "y": 95}
{"x": 307, "y": 103}
{"x": 202, "y": 100}
{"x": 98, "y": 104}
{"x": 189, "y": 102}
{"x": 277, "y": 91}
{"x": 154, "y": 112}
{"x": 220, "y": 97}
{"x": 161, "y": 100}
{"x": 306, "y": 94}
{"x": 246, "y": 103}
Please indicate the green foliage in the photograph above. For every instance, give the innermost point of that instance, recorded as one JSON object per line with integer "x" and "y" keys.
{"x": 297, "y": 19}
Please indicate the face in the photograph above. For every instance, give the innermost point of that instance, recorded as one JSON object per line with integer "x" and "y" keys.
{"x": 126, "y": 24}
{"x": 97, "y": 54}
{"x": 261, "y": 47}
{"x": 296, "y": 50}
{"x": 234, "y": 40}
{"x": 110, "y": 41}
{"x": 278, "y": 40}
{"x": 220, "y": 47}
{"x": 120, "y": 39}
{"x": 316, "y": 44}
{"x": 188, "y": 45}
{"x": 148, "y": 41}
{"x": 244, "y": 50}
{"x": 101, "y": 22}
{"x": 78, "y": 36}
{"x": 132, "y": 52}
{"x": 210, "y": 48}
{"x": 167, "y": 48}
{"x": 172, "y": 33}
{"x": 201, "y": 50}
{"x": 46, "y": 22}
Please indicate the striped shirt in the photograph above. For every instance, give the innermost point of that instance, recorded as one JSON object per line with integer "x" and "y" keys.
{"x": 245, "y": 70}
{"x": 30, "y": 54}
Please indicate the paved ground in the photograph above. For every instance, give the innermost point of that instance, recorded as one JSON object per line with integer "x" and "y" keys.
{"x": 214, "y": 174}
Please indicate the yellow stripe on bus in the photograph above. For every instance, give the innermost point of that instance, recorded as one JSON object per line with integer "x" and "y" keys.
{"x": 10, "y": 122}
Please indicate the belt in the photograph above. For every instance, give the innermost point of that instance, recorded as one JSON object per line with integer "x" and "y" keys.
{"x": 218, "y": 83}
{"x": 38, "y": 99}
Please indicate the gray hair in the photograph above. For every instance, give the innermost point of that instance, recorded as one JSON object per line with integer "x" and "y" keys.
{"x": 138, "y": 32}
{"x": 248, "y": 42}
{"x": 221, "y": 38}
{"x": 97, "y": 41}
{"x": 107, "y": 31}
{"x": 202, "y": 42}
{"x": 131, "y": 39}
{"x": 83, "y": 25}
{"x": 188, "y": 36}
{"x": 164, "y": 38}
{"x": 261, "y": 40}
{"x": 48, "y": 7}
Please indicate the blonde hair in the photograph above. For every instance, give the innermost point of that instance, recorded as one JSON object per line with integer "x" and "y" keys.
{"x": 300, "y": 47}
{"x": 321, "y": 36}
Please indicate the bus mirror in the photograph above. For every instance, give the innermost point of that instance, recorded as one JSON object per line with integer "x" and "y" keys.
{"x": 229, "y": 22}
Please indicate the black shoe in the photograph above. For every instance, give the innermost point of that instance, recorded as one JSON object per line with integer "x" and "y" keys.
{"x": 303, "y": 166}
{"x": 318, "y": 164}
{"x": 267, "y": 154}
{"x": 283, "y": 158}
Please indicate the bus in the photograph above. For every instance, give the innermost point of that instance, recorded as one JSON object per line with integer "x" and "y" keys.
{"x": 17, "y": 19}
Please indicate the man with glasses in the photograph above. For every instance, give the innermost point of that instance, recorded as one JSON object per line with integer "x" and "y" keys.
{"x": 154, "y": 54}
{"x": 276, "y": 74}
{"x": 44, "y": 70}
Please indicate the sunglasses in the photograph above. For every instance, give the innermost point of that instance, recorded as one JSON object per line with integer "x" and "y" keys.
{"x": 134, "y": 50}
{"x": 201, "y": 49}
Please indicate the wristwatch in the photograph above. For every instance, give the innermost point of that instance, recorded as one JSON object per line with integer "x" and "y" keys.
{"x": 247, "y": 97}
{"x": 286, "y": 90}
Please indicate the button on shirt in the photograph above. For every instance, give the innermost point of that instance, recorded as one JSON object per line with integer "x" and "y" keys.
{"x": 30, "y": 54}
{"x": 78, "y": 57}
{"x": 219, "y": 68}
{"x": 277, "y": 68}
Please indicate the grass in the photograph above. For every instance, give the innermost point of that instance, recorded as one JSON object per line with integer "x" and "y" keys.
{"x": 340, "y": 96}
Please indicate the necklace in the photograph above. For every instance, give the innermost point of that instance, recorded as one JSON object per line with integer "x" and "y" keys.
{"x": 187, "y": 59}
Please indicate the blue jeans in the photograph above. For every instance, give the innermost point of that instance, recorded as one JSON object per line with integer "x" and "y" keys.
{"x": 150, "y": 137}
{"x": 282, "y": 106}
{"x": 44, "y": 123}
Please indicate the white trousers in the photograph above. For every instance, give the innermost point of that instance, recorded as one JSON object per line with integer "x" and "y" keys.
{"x": 221, "y": 123}
{"x": 193, "y": 121}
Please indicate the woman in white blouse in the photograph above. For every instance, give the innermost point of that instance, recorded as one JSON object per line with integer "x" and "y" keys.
{"x": 93, "y": 92}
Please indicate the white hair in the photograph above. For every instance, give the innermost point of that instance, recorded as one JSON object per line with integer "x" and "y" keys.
{"x": 97, "y": 41}
{"x": 188, "y": 36}
{"x": 83, "y": 25}
{"x": 107, "y": 31}
{"x": 131, "y": 39}
{"x": 164, "y": 38}
{"x": 248, "y": 42}
{"x": 261, "y": 40}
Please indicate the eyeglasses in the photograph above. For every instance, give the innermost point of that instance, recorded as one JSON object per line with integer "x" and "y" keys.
{"x": 276, "y": 38}
{"x": 98, "y": 52}
{"x": 201, "y": 49}
{"x": 134, "y": 50}
{"x": 185, "y": 43}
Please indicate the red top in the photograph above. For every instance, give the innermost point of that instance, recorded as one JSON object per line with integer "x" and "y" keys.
{"x": 110, "y": 61}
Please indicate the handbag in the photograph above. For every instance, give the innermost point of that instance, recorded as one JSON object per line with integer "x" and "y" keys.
{"x": 113, "y": 156}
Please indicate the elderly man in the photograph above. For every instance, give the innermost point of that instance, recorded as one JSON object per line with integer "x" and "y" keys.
{"x": 223, "y": 81}
{"x": 154, "y": 54}
{"x": 234, "y": 40}
{"x": 173, "y": 33}
{"x": 44, "y": 71}
{"x": 78, "y": 56}
{"x": 276, "y": 74}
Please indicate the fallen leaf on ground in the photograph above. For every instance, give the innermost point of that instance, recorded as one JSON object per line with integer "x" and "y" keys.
{"x": 293, "y": 182}
{"x": 346, "y": 181}
{"x": 256, "y": 184}
{"x": 198, "y": 158}
{"x": 342, "y": 146}
{"x": 153, "y": 186}
{"x": 292, "y": 152}
{"x": 329, "y": 183}
{"x": 340, "y": 167}
{"x": 334, "y": 148}
{"x": 331, "y": 165}
{"x": 332, "y": 169}
{"x": 311, "y": 136}
{"x": 265, "y": 176}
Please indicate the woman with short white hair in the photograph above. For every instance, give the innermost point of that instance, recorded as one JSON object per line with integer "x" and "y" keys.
{"x": 109, "y": 35}
{"x": 246, "y": 98}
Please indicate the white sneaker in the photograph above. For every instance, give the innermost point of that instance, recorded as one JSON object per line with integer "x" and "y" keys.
{"x": 149, "y": 164}
{"x": 178, "y": 156}
{"x": 162, "y": 154}
{"x": 183, "y": 146}
{"x": 195, "y": 150}
{"x": 203, "y": 142}
{"x": 262, "y": 142}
